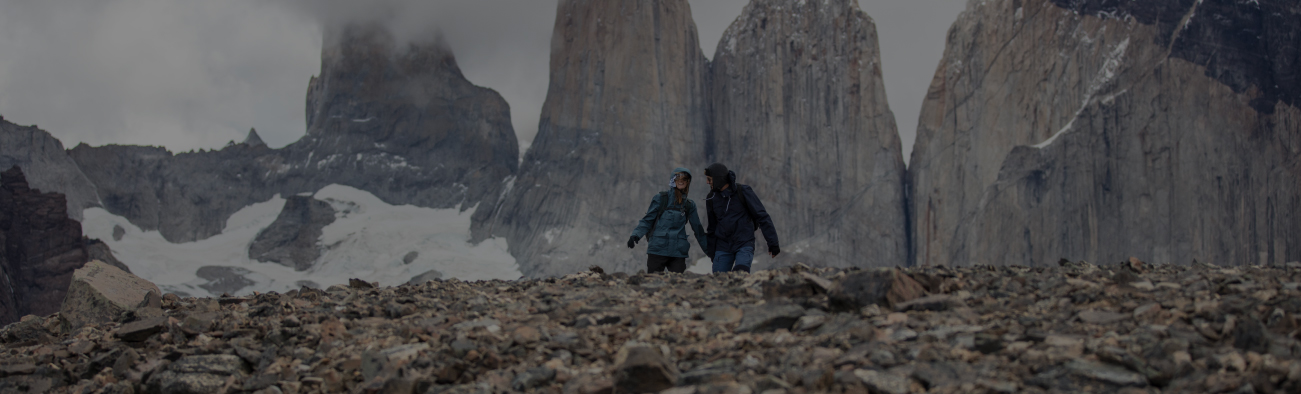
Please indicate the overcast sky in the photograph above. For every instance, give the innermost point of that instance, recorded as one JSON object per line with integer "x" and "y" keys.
{"x": 192, "y": 74}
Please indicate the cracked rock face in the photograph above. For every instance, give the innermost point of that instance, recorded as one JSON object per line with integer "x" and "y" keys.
{"x": 41, "y": 248}
{"x": 46, "y": 165}
{"x": 627, "y": 104}
{"x": 395, "y": 119}
{"x": 1090, "y": 130}
{"x": 800, "y": 114}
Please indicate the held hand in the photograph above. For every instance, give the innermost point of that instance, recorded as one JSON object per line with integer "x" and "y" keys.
{"x": 774, "y": 250}
{"x": 632, "y": 242}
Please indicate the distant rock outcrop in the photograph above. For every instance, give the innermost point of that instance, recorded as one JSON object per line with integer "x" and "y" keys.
{"x": 46, "y": 165}
{"x": 1096, "y": 130}
{"x": 627, "y": 104}
{"x": 41, "y": 248}
{"x": 800, "y": 114}
{"x": 398, "y": 120}
{"x": 253, "y": 139}
{"x": 292, "y": 239}
{"x": 186, "y": 196}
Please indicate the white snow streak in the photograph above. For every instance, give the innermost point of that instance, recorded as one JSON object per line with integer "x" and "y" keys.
{"x": 1104, "y": 76}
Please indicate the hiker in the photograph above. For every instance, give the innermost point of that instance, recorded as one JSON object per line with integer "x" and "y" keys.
{"x": 665, "y": 226}
{"x": 734, "y": 213}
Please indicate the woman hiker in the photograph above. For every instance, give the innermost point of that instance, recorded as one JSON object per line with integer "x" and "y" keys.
{"x": 665, "y": 224}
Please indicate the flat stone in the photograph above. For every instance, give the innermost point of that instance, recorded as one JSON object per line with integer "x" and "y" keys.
{"x": 642, "y": 369}
{"x": 821, "y": 284}
{"x": 1106, "y": 373}
{"x": 140, "y": 330}
{"x": 769, "y": 318}
{"x": 940, "y": 374}
{"x": 532, "y": 378}
{"x": 17, "y": 369}
{"x": 222, "y": 364}
{"x": 903, "y": 335}
{"x": 404, "y": 352}
{"x": 1146, "y": 310}
{"x": 809, "y": 322}
{"x": 492, "y": 325}
{"x": 82, "y": 346}
{"x": 527, "y": 335}
{"x": 1143, "y": 285}
{"x": 721, "y": 314}
{"x": 883, "y": 382}
{"x": 939, "y": 302}
{"x": 883, "y": 358}
{"x": 197, "y": 374}
{"x": 1100, "y": 317}
{"x": 199, "y": 323}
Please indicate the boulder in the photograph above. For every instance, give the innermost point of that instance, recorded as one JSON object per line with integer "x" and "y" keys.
{"x": 100, "y": 293}
{"x": 886, "y": 287}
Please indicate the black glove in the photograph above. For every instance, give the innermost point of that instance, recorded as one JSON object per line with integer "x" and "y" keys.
{"x": 774, "y": 250}
{"x": 632, "y": 241}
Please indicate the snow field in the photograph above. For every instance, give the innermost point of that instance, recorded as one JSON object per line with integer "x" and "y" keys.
{"x": 367, "y": 240}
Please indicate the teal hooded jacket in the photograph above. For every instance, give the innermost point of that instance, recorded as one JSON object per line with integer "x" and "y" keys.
{"x": 669, "y": 237}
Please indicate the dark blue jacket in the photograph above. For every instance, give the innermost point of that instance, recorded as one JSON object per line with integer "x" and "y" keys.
{"x": 730, "y": 227}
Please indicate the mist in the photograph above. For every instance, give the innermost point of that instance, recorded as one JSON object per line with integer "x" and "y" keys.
{"x": 190, "y": 74}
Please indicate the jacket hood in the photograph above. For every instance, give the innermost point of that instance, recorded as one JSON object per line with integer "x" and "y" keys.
{"x": 681, "y": 169}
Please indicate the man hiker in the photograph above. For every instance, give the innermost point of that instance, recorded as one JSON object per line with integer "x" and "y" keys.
{"x": 734, "y": 212}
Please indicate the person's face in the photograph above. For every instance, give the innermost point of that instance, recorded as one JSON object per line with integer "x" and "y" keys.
{"x": 681, "y": 182}
{"x": 709, "y": 180}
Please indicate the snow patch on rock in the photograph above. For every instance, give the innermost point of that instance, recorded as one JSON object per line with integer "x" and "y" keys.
{"x": 368, "y": 240}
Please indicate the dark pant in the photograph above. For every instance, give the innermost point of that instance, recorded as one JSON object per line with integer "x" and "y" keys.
{"x": 656, "y": 263}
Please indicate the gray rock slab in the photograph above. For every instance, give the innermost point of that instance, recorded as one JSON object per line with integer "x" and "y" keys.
{"x": 100, "y": 292}
{"x": 768, "y": 318}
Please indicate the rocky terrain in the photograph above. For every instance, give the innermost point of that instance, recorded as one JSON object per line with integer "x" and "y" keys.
{"x": 1126, "y": 327}
{"x": 800, "y": 113}
{"x": 395, "y": 119}
{"x": 626, "y": 105}
{"x": 40, "y": 246}
{"x": 1098, "y": 130}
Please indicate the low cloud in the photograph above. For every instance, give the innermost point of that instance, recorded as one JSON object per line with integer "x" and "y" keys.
{"x": 191, "y": 74}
